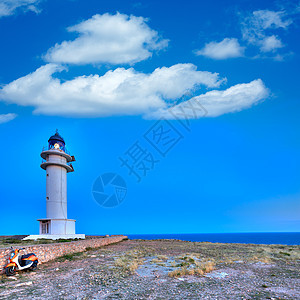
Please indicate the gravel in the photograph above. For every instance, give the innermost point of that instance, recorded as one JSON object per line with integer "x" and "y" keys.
{"x": 241, "y": 272}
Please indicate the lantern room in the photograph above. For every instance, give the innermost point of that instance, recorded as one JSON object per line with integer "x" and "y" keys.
{"x": 56, "y": 142}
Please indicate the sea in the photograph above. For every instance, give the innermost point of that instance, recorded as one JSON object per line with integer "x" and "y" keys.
{"x": 283, "y": 238}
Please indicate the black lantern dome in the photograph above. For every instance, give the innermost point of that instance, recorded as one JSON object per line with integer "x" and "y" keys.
{"x": 55, "y": 141}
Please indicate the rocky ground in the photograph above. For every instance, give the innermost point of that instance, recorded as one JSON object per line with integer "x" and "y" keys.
{"x": 164, "y": 269}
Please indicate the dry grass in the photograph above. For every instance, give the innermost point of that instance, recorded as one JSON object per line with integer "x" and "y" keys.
{"x": 180, "y": 272}
{"x": 263, "y": 259}
{"x": 192, "y": 264}
{"x": 162, "y": 257}
{"x": 193, "y": 258}
{"x": 128, "y": 263}
{"x": 131, "y": 260}
{"x": 156, "y": 261}
{"x": 289, "y": 253}
{"x": 186, "y": 264}
{"x": 160, "y": 260}
{"x": 200, "y": 269}
{"x": 189, "y": 256}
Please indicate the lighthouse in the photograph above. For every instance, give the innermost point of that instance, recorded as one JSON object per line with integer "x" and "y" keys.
{"x": 57, "y": 162}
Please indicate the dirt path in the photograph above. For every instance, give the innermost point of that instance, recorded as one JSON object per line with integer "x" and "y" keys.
{"x": 164, "y": 269}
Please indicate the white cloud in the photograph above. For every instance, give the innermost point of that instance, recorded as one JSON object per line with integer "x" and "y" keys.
{"x": 228, "y": 48}
{"x": 216, "y": 103}
{"x": 265, "y": 19}
{"x": 4, "y": 118}
{"x": 9, "y": 7}
{"x": 271, "y": 43}
{"x": 118, "y": 92}
{"x": 258, "y": 27}
{"x": 114, "y": 39}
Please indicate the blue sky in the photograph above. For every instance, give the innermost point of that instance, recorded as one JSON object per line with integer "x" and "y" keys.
{"x": 221, "y": 77}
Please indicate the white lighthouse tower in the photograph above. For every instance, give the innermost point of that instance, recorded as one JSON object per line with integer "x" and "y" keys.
{"x": 57, "y": 162}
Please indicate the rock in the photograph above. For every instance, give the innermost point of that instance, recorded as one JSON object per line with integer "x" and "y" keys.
{"x": 217, "y": 275}
{"x": 24, "y": 283}
{"x": 13, "y": 278}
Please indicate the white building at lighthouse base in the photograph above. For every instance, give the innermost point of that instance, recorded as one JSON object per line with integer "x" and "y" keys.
{"x": 55, "y": 229}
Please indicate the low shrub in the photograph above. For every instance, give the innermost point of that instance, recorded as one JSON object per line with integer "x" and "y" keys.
{"x": 69, "y": 256}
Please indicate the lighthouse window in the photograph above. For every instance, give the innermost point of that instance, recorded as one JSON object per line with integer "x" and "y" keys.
{"x": 47, "y": 198}
{"x": 47, "y": 174}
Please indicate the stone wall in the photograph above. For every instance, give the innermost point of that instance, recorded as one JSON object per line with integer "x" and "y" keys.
{"x": 48, "y": 252}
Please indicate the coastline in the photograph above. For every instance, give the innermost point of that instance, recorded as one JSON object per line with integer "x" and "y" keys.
{"x": 267, "y": 238}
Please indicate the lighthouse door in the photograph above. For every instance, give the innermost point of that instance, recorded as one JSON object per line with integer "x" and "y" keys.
{"x": 45, "y": 227}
